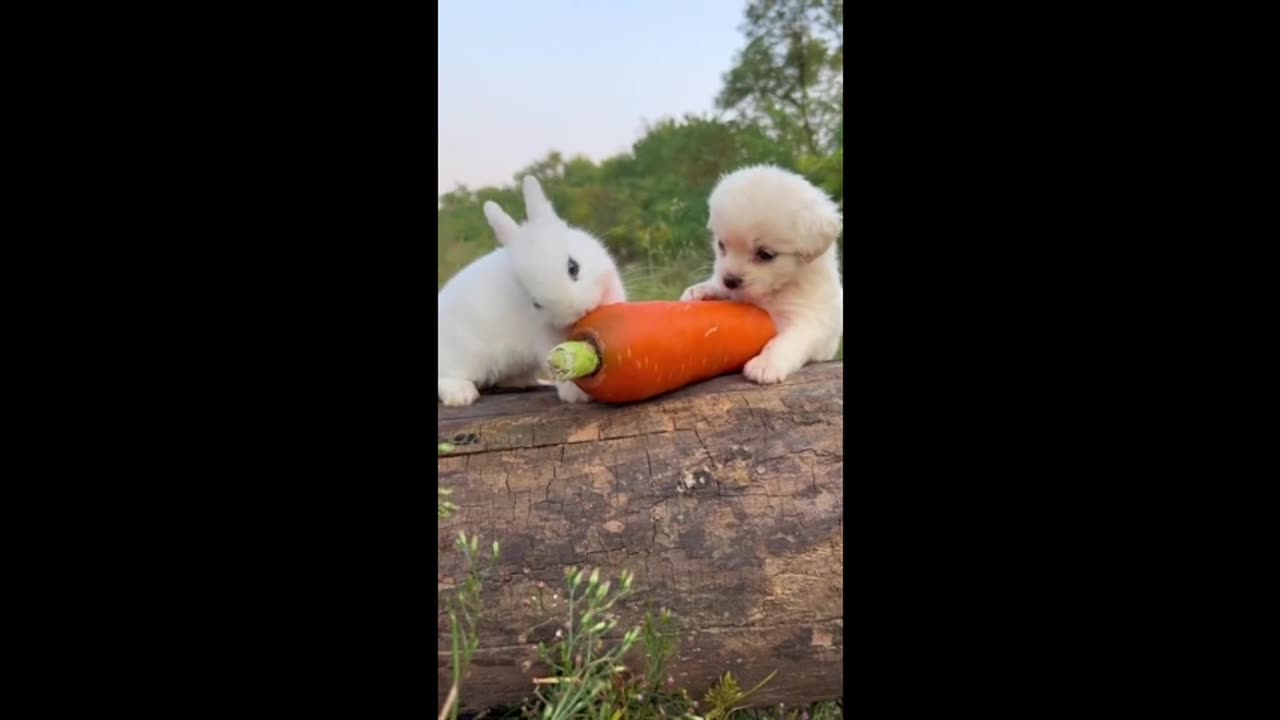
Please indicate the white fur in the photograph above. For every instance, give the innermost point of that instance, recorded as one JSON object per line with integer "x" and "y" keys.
{"x": 777, "y": 210}
{"x": 490, "y": 333}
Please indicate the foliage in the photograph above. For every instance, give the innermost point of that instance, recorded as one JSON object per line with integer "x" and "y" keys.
{"x": 726, "y": 697}
{"x": 583, "y": 669}
{"x": 589, "y": 677}
{"x": 783, "y": 99}
{"x": 790, "y": 75}
{"x": 464, "y": 616}
{"x": 444, "y": 508}
{"x": 602, "y": 686}
{"x": 658, "y": 634}
{"x": 826, "y": 710}
{"x": 646, "y": 206}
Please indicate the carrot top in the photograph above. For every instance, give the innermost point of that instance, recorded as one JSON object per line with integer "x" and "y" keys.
{"x": 572, "y": 360}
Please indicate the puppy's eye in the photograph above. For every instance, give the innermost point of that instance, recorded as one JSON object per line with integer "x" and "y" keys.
{"x": 536, "y": 305}
{"x": 721, "y": 244}
{"x": 573, "y": 268}
{"x": 764, "y": 255}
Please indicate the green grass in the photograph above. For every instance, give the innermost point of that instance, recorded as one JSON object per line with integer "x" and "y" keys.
{"x": 663, "y": 281}
{"x": 827, "y": 710}
{"x": 590, "y": 677}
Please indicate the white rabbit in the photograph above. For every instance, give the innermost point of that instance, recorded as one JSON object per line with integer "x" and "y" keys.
{"x": 501, "y": 315}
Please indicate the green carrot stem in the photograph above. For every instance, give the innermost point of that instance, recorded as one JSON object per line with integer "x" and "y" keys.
{"x": 572, "y": 360}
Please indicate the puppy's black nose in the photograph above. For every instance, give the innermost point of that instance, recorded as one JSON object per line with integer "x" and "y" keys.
{"x": 732, "y": 281}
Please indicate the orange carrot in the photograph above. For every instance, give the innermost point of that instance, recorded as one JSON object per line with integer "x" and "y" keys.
{"x": 634, "y": 351}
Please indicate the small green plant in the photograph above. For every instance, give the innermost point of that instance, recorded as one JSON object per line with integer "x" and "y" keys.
{"x": 464, "y": 616}
{"x": 444, "y": 508}
{"x": 829, "y": 710}
{"x": 651, "y": 694}
{"x": 726, "y": 697}
{"x": 658, "y": 635}
{"x": 583, "y": 670}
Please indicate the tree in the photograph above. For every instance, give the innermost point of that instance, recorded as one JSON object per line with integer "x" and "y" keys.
{"x": 649, "y": 205}
{"x": 790, "y": 75}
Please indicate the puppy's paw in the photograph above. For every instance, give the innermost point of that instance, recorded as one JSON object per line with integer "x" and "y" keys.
{"x": 764, "y": 369}
{"x": 571, "y": 393}
{"x": 456, "y": 393}
{"x": 701, "y": 291}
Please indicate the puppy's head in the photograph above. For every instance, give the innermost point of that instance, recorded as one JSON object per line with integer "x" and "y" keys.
{"x": 768, "y": 225}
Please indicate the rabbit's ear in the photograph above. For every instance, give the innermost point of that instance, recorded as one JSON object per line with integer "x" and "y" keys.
{"x": 535, "y": 201}
{"x": 503, "y": 226}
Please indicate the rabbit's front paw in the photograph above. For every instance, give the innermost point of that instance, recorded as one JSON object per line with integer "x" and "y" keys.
{"x": 456, "y": 393}
{"x": 571, "y": 393}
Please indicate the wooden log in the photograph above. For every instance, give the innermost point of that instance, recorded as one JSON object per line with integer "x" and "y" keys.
{"x": 724, "y": 499}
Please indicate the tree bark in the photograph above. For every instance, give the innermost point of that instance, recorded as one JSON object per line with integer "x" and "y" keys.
{"x": 725, "y": 499}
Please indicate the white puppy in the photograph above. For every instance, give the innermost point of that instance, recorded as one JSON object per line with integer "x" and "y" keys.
{"x": 774, "y": 238}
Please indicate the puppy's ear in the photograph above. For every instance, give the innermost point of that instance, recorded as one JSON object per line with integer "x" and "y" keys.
{"x": 818, "y": 235}
{"x": 535, "y": 201}
{"x": 503, "y": 226}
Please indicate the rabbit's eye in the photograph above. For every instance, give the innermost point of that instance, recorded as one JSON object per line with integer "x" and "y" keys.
{"x": 573, "y": 268}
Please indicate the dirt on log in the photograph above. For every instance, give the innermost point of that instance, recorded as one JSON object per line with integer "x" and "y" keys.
{"x": 725, "y": 499}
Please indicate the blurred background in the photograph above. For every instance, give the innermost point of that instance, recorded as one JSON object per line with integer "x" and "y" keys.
{"x": 628, "y": 113}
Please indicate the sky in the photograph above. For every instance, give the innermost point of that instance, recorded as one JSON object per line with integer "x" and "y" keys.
{"x": 519, "y": 78}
